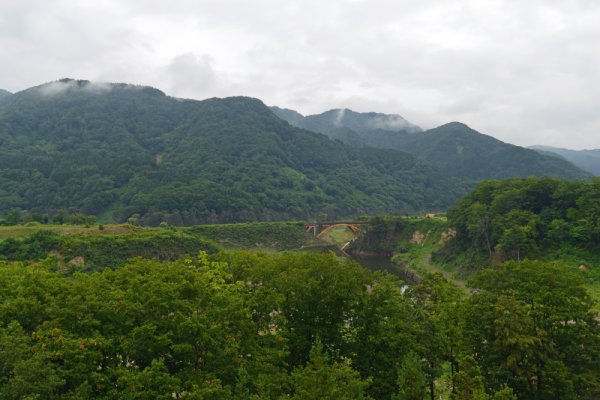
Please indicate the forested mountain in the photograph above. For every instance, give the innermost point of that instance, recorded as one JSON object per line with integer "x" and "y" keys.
{"x": 119, "y": 148}
{"x": 291, "y": 116}
{"x": 587, "y": 160}
{"x": 454, "y": 147}
{"x": 357, "y": 129}
{"x": 4, "y": 94}
{"x": 465, "y": 152}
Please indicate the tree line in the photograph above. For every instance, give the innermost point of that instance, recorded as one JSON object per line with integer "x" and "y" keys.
{"x": 240, "y": 325}
{"x": 530, "y": 218}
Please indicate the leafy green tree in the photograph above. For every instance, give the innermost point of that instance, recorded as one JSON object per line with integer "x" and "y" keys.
{"x": 383, "y": 329}
{"x": 505, "y": 393}
{"x": 34, "y": 378}
{"x": 258, "y": 325}
{"x": 479, "y": 226}
{"x": 13, "y": 217}
{"x": 532, "y": 326}
{"x": 320, "y": 293}
{"x": 527, "y": 218}
{"x": 520, "y": 229}
{"x": 14, "y": 347}
{"x": 439, "y": 307}
{"x": 468, "y": 382}
{"x": 134, "y": 219}
{"x": 558, "y": 231}
{"x": 154, "y": 382}
{"x": 60, "y": 217}
{"x": 411, "y": 379}
{"x": 322, "y": 379}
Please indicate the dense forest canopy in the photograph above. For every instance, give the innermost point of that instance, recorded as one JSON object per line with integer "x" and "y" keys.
{"x": 454, "y": 147}
{"x": 465, "y": 152}
{"x": 118, "y": 150}
{"x": 123, "y": 150}
{"x": 531, "y": 218}
{"x": 303, "y": 326}
{"x": 161, "y": 313}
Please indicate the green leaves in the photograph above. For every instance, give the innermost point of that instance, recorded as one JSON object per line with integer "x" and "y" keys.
{"x": 411, "y": 379}
{"x": 531, "y": 325}
{"x": 527, "y": 218}
{"x": 252, "y": 326}
{"x": 154, "y": 382}
{"x": 322, "y": 379}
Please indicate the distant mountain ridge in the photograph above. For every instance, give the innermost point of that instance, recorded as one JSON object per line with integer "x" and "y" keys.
{"x": 465, "y": 152}
{"x": 357, "y": 129}
{"x": 453, "y": 147}
{"x": 122, "y": 150}
{"x": 4, "y": 94}
{"x": 587, "y": 160}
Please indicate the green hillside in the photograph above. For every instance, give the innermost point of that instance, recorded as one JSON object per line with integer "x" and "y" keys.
{"x": 465, "y": 152}
{"x": 4, "y": 94}
{"x": 453, "y": 147}
{"x": 89, "y": 147}
{"x": 356, "y": 129}
{"x": 515, "y": 219}
{"x": 587, "y": 160}
{"x": 91, "y": 249}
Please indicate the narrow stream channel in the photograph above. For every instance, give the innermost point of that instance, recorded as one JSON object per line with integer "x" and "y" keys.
{"x": 385, "y": 264}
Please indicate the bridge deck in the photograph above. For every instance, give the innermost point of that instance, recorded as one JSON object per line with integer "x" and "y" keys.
{"x": 326, "y": 223}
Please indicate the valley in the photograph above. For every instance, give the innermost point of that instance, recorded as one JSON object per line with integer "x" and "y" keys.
{"x": 129, "y": 278}
{"x": 154, "y": 247}
{"x": 299, "y": 200}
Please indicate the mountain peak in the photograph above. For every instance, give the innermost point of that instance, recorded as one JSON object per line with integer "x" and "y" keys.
{"x": 189, "y": 162}
{"x": 70, "y": 86}
{"x": 457, "y": 148}
{"x": 369, "y": 121}
{"x": 588, "y": 160}
{"x": 457, "y": 129}
{"x": 456, "y": 125}
{"x": 354, "y": 128}
{"x": 287, "y": 110}
{"x": 4, "y": 94}
{"x": 291, "y": 116}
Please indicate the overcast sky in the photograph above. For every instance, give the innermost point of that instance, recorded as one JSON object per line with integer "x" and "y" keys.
{"x": 526, "y": 72}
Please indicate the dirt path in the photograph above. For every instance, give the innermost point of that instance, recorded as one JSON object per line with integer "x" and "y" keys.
{"x": 428, "y": 266}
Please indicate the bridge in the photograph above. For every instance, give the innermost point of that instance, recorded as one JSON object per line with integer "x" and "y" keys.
{"x": 319, "y": 228}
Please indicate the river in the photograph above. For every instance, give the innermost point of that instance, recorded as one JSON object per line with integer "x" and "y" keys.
{"x": 385, "y": 264}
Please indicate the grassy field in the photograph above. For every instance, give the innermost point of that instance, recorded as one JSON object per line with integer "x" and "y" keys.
{"x": 338, "y": 235}
{"x": 18, "y": 231}
{"x": 93, "y": 248}
{"x": 263, "y": 236}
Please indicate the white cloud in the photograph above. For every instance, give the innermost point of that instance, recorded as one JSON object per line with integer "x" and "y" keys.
{"x": 189, "y": 75}
{"x": 56, "y": 88}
